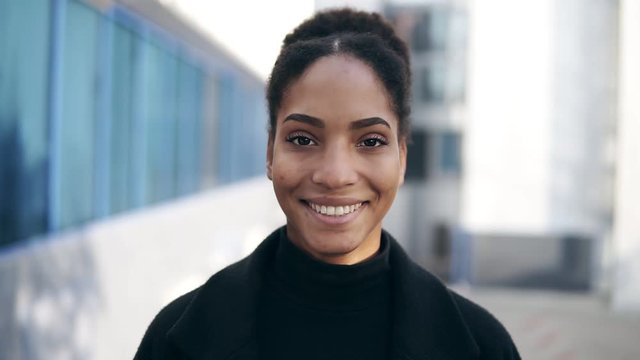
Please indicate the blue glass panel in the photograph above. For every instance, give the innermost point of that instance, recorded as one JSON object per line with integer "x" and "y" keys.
{"x": 209, "y": 139}
{"x": 77, "y": 121}
{"x": 23, "y": 124}
{"x": 259, "y": 126}
{"x": 450, "y": 152}
{"x": 242, "y": 130}
{"x": 122, "y": 63}
{"x": 189, "y": 128}
{"x": 225, "y": 127}
{"x": 160, "y": 119}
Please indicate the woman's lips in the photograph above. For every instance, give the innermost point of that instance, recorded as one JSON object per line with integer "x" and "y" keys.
{"x": 337, "y": 210}
{"x": 335, "y": 214}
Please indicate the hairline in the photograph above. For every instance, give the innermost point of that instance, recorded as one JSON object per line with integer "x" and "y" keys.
{"x": 339, "y": 51}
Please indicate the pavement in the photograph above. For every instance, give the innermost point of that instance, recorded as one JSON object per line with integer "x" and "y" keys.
{"x": 555, "y": 325}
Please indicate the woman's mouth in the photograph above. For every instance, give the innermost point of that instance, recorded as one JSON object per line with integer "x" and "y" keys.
{"x": 339, "y": 210}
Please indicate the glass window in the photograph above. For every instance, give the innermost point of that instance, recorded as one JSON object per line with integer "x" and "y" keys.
{"x": 417, "y": 156}
{"x": 440, "y": 17}
{"x": 23, "y": 121}
{"x": 449, "y": 152}
{"x": 258, "y": 125}
{"x": 430, "y": 31}
{"x": 122, "y": 63}
{"x": 190, "y": 109}
{"x": 420, "y": 39}
{"x": 209, "y": 136}
{"x": 456, "y": 81}
{"x": 225, "y": 135}
{"x": 160, "y": 114}
{"x": 431, "y": 83}
{"x": 77, "y": 120}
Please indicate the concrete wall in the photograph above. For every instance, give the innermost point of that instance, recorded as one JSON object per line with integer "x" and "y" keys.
{"x": 91, "y": 292}
{"x": 583, "y": 115}
{"x": 542, "y": 107}
{"x": 626, "y": 283}
{"x": 506, "y": 155}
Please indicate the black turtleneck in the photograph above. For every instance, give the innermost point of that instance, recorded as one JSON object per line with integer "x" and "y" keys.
{"x": 314, "y": 310}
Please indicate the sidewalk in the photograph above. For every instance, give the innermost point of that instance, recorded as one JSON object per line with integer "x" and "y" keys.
{"x": 548, "y": 325}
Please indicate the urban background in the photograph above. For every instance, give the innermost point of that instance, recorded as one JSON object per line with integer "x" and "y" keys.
{"x": 132, "y": 162}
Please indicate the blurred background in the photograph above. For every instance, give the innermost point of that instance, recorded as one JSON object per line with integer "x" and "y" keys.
{"x": 132, "y": 162}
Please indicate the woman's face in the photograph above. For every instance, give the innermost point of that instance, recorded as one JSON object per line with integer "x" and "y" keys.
{"x": 335, "y": 160}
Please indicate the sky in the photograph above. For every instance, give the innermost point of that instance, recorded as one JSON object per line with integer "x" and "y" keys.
{"x": 252, "y": 30}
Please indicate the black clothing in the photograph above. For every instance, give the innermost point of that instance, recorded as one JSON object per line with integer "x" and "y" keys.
{"x": 349, "y": 308}
{"x": 219, "y": 320}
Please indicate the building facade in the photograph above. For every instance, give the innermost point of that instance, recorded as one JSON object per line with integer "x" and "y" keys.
{"x": 522, "y": 145}
{"x": 118, "y": 123}
{"x": 111, "y": 106}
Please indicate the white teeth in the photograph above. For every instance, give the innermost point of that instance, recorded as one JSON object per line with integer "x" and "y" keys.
{"x": 335, "y": 210}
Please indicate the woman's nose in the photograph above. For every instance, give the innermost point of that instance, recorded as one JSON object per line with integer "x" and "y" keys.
{"x": 335, "y": 168}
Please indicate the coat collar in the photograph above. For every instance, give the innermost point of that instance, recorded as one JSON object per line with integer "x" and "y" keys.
{"x": 427, "y": 322}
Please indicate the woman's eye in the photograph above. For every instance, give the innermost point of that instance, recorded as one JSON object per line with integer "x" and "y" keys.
{"x": 372, "y": 142}
{"x": 300, "y": 140}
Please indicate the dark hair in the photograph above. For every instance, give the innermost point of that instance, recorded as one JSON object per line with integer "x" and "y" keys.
{"x": 365, "y": 36}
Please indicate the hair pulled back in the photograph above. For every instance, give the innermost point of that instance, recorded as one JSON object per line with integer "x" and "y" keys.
{"x": 365, "y": 36}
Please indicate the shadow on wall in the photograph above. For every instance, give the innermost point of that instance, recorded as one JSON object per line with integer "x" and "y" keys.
{"x": 23, "y": 184}
{"x": 48, "y": 293}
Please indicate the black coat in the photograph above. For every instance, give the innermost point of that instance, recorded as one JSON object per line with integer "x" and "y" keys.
{"x": 217, "y": 320}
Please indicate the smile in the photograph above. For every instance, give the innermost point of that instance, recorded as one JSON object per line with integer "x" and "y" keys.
{"x": 334, "y": 210}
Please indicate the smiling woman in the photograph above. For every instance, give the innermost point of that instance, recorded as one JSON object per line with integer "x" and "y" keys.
{"x": 331, "y": 284}
{"x": 333, "y": 148}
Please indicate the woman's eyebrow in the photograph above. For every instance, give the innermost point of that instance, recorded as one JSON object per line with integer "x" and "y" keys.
{"x": 313, "y": 121}
{"x": 362, "y": 123}
{"x": 357, "y": 124}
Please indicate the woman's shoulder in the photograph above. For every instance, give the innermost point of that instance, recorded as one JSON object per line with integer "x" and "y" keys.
{"x": 233, "y": 287}
{"x": 456, "y": 316}
{"x": 488, "y": 332}
{"x": 154, "y": 344}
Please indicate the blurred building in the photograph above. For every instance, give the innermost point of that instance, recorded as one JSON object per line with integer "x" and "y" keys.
{"x": 625, "y": 251}
{"x": 118, "y": 121}
{"x": 110, "y": 106}
{"x": 542, "y": 105}
{"x": 513, "y": 169}
{"x": 436, "y": 33}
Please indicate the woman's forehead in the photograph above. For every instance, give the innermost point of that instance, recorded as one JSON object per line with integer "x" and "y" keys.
{"x": 338, "y": 86}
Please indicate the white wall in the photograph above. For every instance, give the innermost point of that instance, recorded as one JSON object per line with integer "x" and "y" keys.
{"x": 583, "y": 115}
{"x": 507, "y": 138}
{"x": 626, "y": 287}
{"x": 91, "y": 292}
{"x": 542, "y": 100}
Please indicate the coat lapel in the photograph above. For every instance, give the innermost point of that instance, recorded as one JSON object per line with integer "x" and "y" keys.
{"x": 220, "y": 321}
{"x": 427, "y": 322}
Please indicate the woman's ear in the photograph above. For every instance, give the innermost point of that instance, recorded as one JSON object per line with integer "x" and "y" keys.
{"x": 270, "y": 155}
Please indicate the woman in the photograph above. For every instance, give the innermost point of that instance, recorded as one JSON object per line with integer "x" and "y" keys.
{"x": 331, "y": 284}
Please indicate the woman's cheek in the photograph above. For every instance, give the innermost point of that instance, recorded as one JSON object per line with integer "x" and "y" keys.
{"x": 386, "y": 169}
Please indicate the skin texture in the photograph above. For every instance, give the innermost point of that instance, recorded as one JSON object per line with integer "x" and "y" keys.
{"x": 336, "y": 143}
